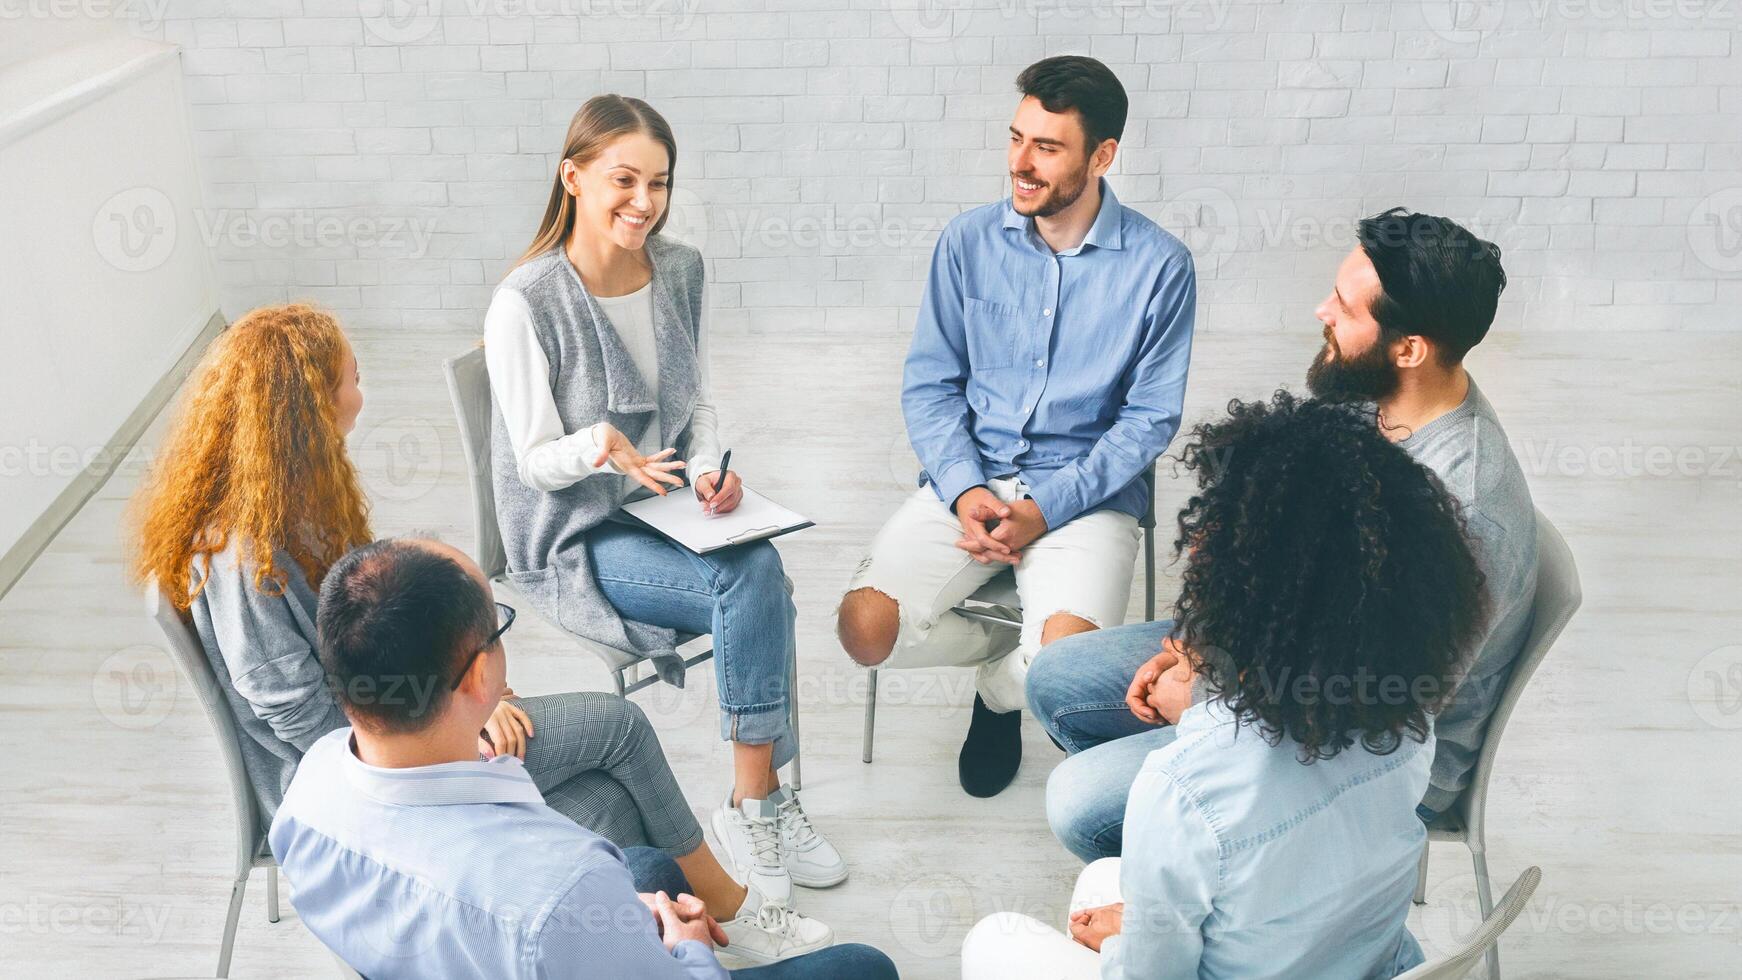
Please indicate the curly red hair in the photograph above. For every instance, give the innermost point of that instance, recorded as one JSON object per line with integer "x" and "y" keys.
{"x": 255, "y": 453}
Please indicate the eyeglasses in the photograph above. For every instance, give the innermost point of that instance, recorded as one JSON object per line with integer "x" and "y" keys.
{"x": 505, "y": 613}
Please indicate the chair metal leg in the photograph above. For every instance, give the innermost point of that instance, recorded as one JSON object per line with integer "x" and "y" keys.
{"x": 1485, "y": 898}
{"x": 231, "y": 919}
{"x": 1421, "y": 875}
{"x": 1149, "y": 575}
{"x": 617, "y": 676}
{"x": 870, "y": 710}
{"x": 792, "y": 709}
{"x": 272, "y": 893}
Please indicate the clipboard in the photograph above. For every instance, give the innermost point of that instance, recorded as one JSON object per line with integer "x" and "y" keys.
{"x": 678, "y": 516}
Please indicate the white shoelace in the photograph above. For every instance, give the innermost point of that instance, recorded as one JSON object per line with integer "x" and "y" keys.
{"x": 793, "y": 815}
{"x": 764, "y": 834}
{"x": 778, "y": 920}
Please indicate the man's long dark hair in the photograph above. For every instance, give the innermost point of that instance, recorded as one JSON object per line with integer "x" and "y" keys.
{"x": 1329, "y": 593}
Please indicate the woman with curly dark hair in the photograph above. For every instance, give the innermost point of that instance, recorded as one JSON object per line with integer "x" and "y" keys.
{"x": 1270, "y": 828}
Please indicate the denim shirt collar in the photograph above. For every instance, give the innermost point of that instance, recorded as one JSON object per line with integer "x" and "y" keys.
{"x": 500, "y": 780}
{"x": 1106, "y": 232}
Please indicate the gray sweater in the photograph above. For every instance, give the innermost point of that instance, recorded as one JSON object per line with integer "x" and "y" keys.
{"x": 1468, "y": 450}
{"x": 593, "y": 378}
{"x": 264, "y": 648}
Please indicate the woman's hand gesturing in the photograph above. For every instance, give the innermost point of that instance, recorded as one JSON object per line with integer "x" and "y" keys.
{"x": 653, "y": 472}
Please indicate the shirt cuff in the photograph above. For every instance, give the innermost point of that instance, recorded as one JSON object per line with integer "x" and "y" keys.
{"x": 956, "y": 479}
{"x": 692, "y": 951}
{"x": 1058, "y": 502}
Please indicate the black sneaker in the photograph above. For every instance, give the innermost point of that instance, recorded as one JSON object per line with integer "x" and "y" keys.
{"x": 992, "y": 752}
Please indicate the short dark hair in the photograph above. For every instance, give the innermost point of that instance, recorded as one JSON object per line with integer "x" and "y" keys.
{"x": 396, "y": 619}
{"x": 1436, "y": 279}
{"x": 1329, "y": 594}
{"x": 1072, "y": 81}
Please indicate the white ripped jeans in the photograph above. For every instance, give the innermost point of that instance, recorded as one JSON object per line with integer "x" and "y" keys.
{"x": 1083, "y": 569}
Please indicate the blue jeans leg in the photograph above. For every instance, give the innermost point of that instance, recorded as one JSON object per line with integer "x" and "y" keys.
{"x": 846, "y": 961}
{"x": 738, "y": 595}
{"x": 1077, "y": 685}
{"x": 1086, "y": 793}
{"x": 653, "y": 870}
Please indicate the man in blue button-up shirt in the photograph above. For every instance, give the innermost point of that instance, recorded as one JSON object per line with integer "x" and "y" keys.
{"x": 1046, "y": 375}
{"x": 412, "y": 856}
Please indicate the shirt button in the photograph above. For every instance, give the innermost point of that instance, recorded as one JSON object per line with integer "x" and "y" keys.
{"x": 1040, "y": 362}
{"x": 1028, "y": 408}
{"x": 1046, "y": 312}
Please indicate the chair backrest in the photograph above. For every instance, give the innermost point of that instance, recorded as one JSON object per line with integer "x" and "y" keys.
{"x": 1459, "y": 964}
{"x": 1558, "y": 596}
{"x": 190, "y": 657}
{"x": 469, "y": 389}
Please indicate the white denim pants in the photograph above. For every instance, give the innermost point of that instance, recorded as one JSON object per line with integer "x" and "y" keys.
{"x": 1083, "y": 568}
{"x": 1012, "y": 946}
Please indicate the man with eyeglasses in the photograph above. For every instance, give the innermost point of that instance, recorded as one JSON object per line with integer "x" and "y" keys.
{"x": 420, "y": 844}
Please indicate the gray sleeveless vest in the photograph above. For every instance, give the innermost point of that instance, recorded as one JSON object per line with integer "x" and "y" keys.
{"x": 593, "y": 378}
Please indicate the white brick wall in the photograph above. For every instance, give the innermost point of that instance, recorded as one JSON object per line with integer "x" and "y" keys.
{"x": 389, "y": 158}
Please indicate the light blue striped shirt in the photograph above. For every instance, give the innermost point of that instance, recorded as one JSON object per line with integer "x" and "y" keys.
{"x": 461, "y": 870}
{"x": 1241, "y": 862}
{"x": 1067, "y": 368}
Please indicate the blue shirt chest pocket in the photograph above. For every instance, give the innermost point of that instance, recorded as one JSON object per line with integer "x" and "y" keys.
{"x": 995, "y": 332}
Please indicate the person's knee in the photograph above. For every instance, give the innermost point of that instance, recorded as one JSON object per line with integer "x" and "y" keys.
{"x": 867, "y": 625}
{"x": 1063, "y": 624}
{"x": 757, "y": 565}
{"x": 1072, "y": 792}
{"x": 867, "y": 962}
{"x": 991, "y": 947}
{"x": 621, "y": 715}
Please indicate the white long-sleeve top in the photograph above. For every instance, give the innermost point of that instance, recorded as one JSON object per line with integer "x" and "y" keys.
{"x": 550, "y": 458}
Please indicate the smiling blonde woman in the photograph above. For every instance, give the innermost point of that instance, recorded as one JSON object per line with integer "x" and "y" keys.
{"x": 598, "y": 363}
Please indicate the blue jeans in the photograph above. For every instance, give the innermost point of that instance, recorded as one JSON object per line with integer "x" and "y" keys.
{"x": 738, "y": 595}
{"x": 654, "y": 871}
{"x": 1076, "y": 688}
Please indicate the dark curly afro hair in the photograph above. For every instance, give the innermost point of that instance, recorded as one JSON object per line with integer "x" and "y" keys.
{"x": 1329, "y": 593}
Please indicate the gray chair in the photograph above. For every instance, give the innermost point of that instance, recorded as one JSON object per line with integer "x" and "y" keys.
{"x": 1486, "y": 937}
{"x": 1557, "y": 597}
{"x": 251, "y": 848}
{"x": 998, "y": 604}
{"x": 469, "y": 389}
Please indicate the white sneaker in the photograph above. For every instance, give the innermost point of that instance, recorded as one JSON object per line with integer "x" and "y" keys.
{"x": 809, "y": 857}
{"x": 765, "y": 931}
{"x": 749, "y": 836}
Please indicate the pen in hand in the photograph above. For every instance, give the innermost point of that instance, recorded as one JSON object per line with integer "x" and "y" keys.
{"x": 719, "y": 481}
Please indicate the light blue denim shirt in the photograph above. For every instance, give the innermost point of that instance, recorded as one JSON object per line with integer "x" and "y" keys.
{"x": 461, "y": 870}
{"x": 1067, "y": 368}
{"x": 1239, "y": 861}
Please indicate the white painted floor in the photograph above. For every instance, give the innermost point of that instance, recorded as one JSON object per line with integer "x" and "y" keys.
{"x": 1621, "y": 777}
